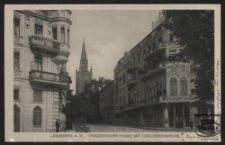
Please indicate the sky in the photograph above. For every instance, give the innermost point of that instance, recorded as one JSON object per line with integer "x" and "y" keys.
{"x": 107, "y": 34}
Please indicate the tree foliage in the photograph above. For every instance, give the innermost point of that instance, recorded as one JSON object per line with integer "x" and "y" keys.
{"x": 195, "y": 32}
{"x": 85, "y": 104}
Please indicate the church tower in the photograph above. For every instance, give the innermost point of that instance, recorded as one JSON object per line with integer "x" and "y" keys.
{"x": 83, "y": 76}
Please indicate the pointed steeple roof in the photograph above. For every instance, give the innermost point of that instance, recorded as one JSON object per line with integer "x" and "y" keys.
{"x": 83, "y": 53}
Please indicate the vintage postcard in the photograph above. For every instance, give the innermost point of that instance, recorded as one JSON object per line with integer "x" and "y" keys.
{"x": 113, "y": 73}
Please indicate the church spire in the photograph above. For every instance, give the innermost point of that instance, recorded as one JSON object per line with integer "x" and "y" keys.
{"x": 83, "y": 59}
{"x": 83, "y": 54}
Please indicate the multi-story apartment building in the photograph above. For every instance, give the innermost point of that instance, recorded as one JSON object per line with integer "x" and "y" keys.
{"x": 150, "y": 90}
{"x": 106, "y": 101}
{"x": 41, "y": 82}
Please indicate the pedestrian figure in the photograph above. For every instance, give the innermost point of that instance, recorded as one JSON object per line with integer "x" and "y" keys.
{"x": 57, "y": 125}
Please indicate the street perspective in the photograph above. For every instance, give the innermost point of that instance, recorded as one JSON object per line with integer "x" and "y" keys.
{"x": 107, "y": 73}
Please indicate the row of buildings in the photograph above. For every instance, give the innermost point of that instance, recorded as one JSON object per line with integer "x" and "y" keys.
{"x": 150, "y": 90}
{"x": 147, "y": 90}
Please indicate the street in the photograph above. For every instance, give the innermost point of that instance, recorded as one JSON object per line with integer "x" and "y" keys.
{"x": 110, "y": 128}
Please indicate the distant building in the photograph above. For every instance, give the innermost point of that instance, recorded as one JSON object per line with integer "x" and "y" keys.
{"x": 106, "y": 101}
{"x": 41, "y": 82}
{"x": 83, "y": 76}
{"x": 149, "y": 89}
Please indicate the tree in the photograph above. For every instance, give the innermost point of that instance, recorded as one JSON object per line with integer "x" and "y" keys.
{"x": 78, "y": 109}
{"x": 195, "y": 32}
{"x": 85, "y": 105}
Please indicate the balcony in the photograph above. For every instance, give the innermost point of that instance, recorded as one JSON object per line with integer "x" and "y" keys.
{"x": 41, "y": 77}
{"x": 131, "y": 82}
{"x": 152, "y": 70}
{"x": 41, "y": 43}
{"x": 177, "y": 98}
{"x": 131, "y": 67}
{"x": 157, "y": 49}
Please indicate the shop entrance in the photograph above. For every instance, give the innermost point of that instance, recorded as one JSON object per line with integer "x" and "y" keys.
{"x": 179, "y": 115}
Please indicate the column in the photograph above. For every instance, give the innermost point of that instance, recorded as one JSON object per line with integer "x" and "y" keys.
{"x": 166, "y": 116}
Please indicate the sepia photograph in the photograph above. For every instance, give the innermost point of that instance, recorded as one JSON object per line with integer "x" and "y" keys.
{"x": 119, "y": 73}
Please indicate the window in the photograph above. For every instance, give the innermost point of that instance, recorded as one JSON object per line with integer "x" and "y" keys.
{"x": 173, "y": 86}
{"x": 38, "y": 29}
{"x": 16, "y": 94}
{"x": 139, "y": 57}
{"x": 154, "y": 91}
{"x": 144, "y": 52}
{"x": 38, "y": 62}
{"x": 160, "y": 39}
{"x": 54, "y": 33}
{"x": 183, "y": 86}
{"x": 63, "y": 35}
{"x": 16, "y": 61}
{"x": 37, "y": 96}
{"x": 149, "y": 49}
{"x": 68, "y": 36}
{"x": 37, "y": 116}
{"x": 124, "y": 100}
{"x": 124, "y": 78}
{"x": 153, "y": 45}
{"x": 134, "y": 60}
{"x": 150, "y": 92}
{"x": 171, "y": 37}
{"x": 16, "y": 118}
{"x": 16, "y": 26}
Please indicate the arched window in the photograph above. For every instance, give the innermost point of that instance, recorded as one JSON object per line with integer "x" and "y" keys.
{"x": 183, "y": 86}
{"x": 173, "y": 86}
{"x": 16, "y": 118}
{"x": 37, "y": 116}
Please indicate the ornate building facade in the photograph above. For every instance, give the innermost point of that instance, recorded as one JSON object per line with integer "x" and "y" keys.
{"x": 83, "y": 76}
{"x": 41, "y": 82}
{"x": 149, "y": 89}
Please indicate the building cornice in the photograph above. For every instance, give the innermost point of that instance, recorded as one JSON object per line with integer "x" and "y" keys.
{"x": 33, "y": 14}
{"x": 54, "y": 19}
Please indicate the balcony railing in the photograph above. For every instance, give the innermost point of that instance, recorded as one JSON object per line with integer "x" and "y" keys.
{"x": 154, "y": 50}
{"x": 40, "y": 43}
{"x": 43, "y": 43}
{"x": 131, "y": 67}
{"x": 131, "y": 82}
{"x": 152, "y": 70}
{"x": 49, "y": 78}
{"x": 177, "y": 98}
